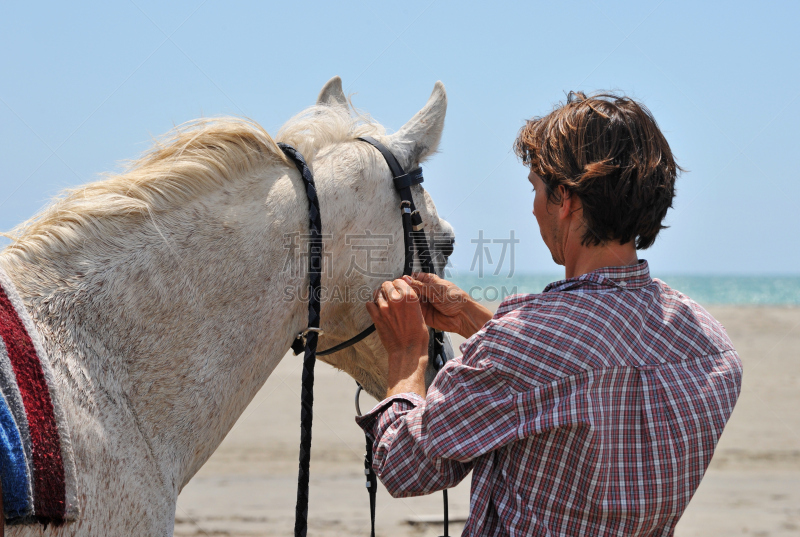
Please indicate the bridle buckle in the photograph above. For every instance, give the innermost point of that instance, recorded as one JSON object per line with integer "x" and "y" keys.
{"x": 299, "y": 343}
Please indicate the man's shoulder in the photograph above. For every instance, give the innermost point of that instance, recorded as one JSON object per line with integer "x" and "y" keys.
{"x": 686, "y": 316}
{"x": 654, "y": 310}
{"x": 551, "y": 335}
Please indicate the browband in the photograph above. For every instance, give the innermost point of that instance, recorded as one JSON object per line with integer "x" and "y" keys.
{"x": 414, "y": 177}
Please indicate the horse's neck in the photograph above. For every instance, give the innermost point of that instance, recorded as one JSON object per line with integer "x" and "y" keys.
{"x": 181, "y": 317}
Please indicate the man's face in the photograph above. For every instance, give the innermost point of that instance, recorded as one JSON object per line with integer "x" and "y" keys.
{"x": 546, "y": 218}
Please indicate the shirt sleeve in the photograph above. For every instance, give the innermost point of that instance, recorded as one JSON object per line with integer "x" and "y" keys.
{"x": 424, "y": 445}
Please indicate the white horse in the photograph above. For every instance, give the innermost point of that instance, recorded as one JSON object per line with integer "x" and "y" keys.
{"x": 165, "y": 296}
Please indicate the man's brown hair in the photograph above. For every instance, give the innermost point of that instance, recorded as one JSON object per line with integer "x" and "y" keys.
{"x": 608, "y": 150}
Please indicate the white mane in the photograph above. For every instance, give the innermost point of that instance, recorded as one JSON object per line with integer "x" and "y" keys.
{"x": 190, "y": 160}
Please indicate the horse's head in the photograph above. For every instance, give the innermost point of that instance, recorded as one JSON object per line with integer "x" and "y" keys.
{"x": 361, "y": 217}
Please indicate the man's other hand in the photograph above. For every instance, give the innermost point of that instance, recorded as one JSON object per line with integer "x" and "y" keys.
{"x": 446, "y": 307}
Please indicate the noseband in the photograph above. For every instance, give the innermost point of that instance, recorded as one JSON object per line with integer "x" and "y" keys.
{"x": 414, "y": 241}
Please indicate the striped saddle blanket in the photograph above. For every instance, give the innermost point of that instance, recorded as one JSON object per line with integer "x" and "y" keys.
{"x": 38, "y": 467}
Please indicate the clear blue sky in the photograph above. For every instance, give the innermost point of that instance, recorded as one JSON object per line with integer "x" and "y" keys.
{"x": 84, "y": 85}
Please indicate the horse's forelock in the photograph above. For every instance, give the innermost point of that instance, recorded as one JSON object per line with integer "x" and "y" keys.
{"x": 322, "y": 125}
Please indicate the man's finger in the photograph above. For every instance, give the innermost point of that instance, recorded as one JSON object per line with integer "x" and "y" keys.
{"x": 434, "y": 293}
{"x": 421, "y": 288}
{"x": 382, "y": 289}
{"x": 405, "y": 290}
{"x": 425, "y": 277}
{"x": 390, "y": 292}
{"x": 417, "y": 287}
{"x": 380, "y": 297}
{"x": 373, "y": 311}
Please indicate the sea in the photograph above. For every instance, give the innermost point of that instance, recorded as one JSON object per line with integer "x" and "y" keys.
{"x": 705, "y": 289}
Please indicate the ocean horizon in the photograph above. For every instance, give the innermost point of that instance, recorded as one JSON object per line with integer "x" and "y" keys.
{"x": 711, "y": 290}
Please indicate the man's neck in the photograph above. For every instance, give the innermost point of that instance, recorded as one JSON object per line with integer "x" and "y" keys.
{"x": 580, "y": 259}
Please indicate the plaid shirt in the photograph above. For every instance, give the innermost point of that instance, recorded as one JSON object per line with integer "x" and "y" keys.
{"x": 592, "y": 408}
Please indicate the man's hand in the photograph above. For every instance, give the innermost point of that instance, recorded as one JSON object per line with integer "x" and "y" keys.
{"x": 446, "y": 307}
{"x": 399, "y": 323}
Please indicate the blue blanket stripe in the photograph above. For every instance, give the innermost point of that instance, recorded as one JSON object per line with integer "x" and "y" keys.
{"x": 14, "y": 470}
{"x": 13, "y": 399}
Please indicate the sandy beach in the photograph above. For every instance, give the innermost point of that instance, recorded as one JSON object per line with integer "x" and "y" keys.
{"x": 247, "y": 488}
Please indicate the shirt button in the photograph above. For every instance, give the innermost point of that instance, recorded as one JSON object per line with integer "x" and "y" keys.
{"x": 623, "y": 284}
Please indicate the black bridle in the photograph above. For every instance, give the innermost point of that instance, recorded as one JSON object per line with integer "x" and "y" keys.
{"x": 415, "y": 242}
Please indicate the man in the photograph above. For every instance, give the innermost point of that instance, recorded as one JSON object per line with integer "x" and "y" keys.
{"x": 592, "y": 408}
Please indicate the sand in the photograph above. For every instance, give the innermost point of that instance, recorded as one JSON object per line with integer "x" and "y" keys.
{"x": 248, "y": 486}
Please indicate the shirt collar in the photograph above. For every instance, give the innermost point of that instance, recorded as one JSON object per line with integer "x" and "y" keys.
{"x": 624, "y": 277}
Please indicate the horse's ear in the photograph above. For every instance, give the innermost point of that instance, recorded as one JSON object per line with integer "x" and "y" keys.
{"x": 332, "y": 94}
{"x": 420, "y": 137}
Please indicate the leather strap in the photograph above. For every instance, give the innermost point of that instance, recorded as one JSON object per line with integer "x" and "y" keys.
{"x": 388, "y": 156}
{"x": 414, "y": 177}
{"x": 372, "y": 485}
{"x": 352, "y": 341}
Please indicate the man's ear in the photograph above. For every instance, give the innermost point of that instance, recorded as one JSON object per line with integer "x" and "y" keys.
{"x": 567, "y": 203}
